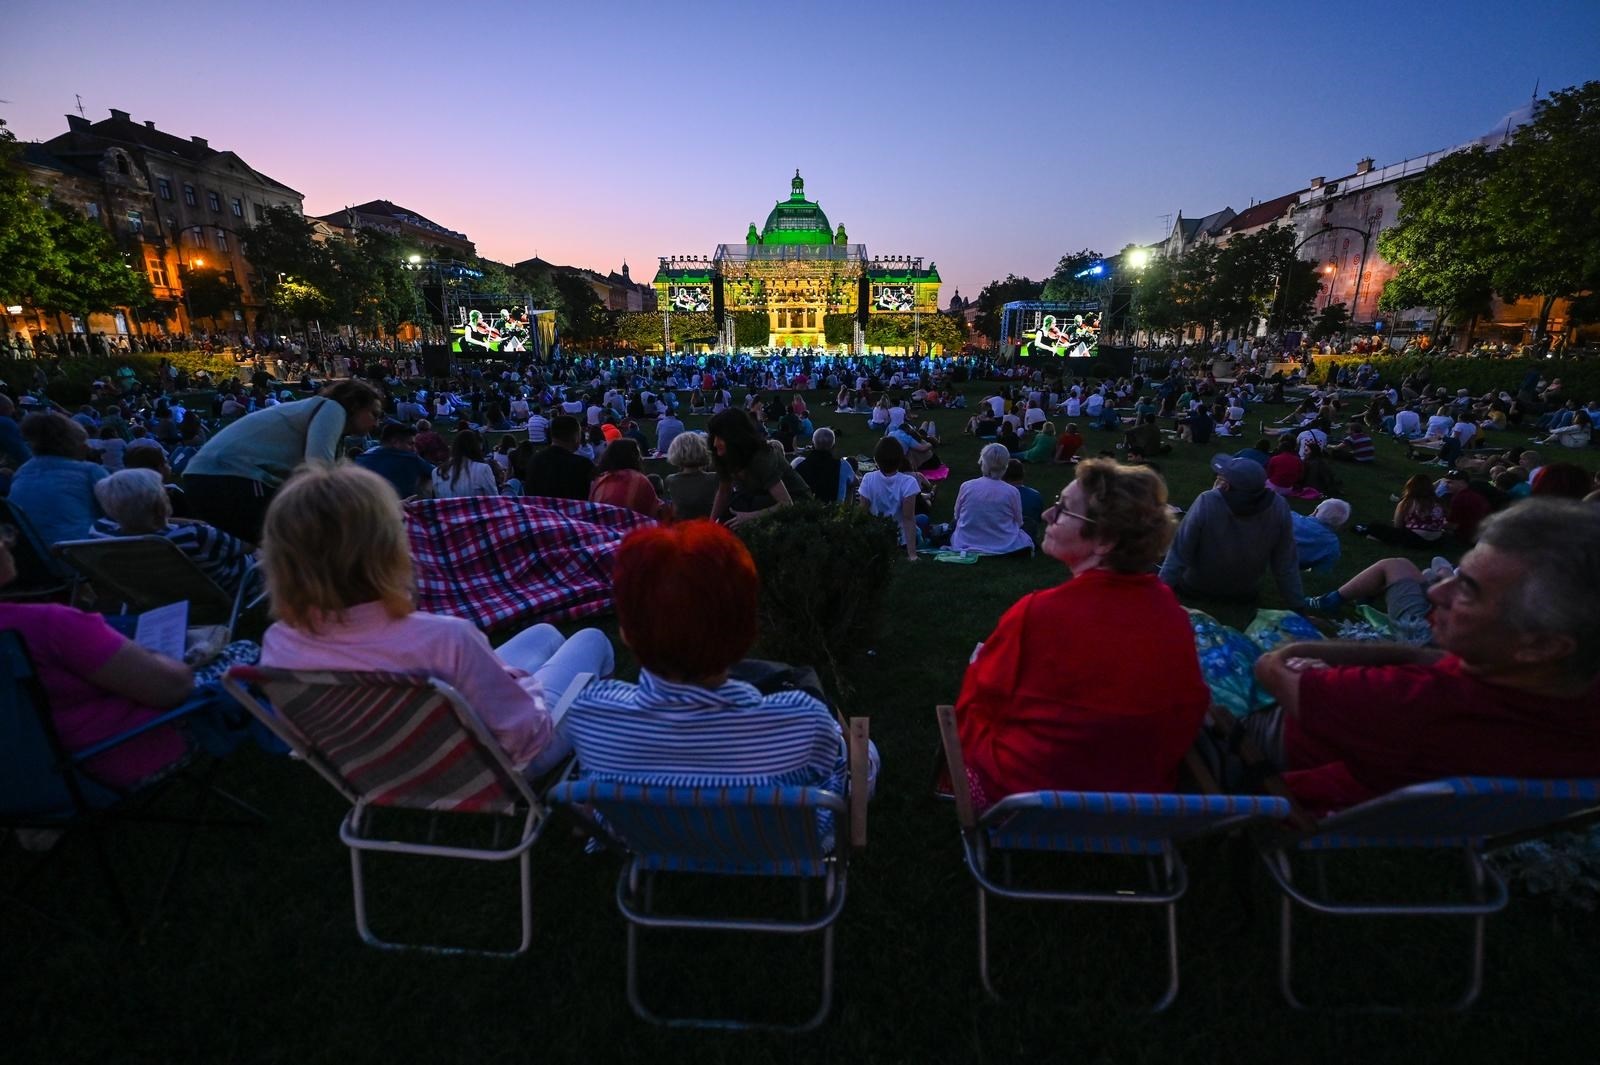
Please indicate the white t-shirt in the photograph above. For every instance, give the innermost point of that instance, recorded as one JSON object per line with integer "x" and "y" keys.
{"x": 886, "y": 495}
{"x": 519, "y": 408}
{"x": 897, "y": 417}
{"x": 476, "y": 479}
{"x": 1440, "y": 424}
{"x": 996, "y": 404}
{"x": 1407, "y": 422}
{"x": 1074, "y": 407}
{"x": 1094, "y": 404}
{"x": 1465, "y": 432}
{"x": 1035, "y": 416}
{"x": 1311, "y": 436}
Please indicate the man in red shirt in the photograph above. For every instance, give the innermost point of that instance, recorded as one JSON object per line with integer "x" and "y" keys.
{"x": 1509, "y": 690}
{"x": 1467, "y": 506}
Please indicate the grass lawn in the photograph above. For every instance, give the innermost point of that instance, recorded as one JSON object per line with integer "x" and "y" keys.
{"x": 256, "y": 958}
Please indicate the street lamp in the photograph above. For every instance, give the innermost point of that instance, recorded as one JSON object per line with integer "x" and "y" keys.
{"x": 1328, "y": 271}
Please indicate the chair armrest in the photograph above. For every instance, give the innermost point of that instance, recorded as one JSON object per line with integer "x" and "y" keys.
{"x": 175, "y": 714}
{"x": 958, "y": 767}
{"x": 860, "y": 727}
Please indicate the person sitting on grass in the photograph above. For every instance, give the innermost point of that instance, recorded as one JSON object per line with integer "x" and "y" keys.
{"x": 1575, "y": 434}
{"x": 753, "y": 479}
{"x": 1285, "y": 469}
{"x": 1068, "y": 444}
{"x": 890, "y": 491}
{"x": 1115, "y": 714}
{"x": 828, "y": 476}
{"x": 1508, "y": 688}
{"x": 988, "y": 514}
{"x": 1316, "y": 536}
{"x": 1043, "y": 446}
{"x": 686, "y": 600}
{"x": 338, "y": 567}
{"x": 1032, "y": 501}
{"x": 1231, "y": 535}
{"x": 1144, "y": 440}
{"x": 1419, "y": 518}
{"x": 620, "y": 481}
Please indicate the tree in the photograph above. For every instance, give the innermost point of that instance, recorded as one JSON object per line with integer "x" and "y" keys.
{"x": 996, "y": 294}
{"x": 84, "y": 270}
{"x": 1249, "y": 273}
{"x": 1065, "y": 284}
{"x": 1295, "y": 303}
{"x": 1544, "y": 201}
{"x": 583, "y": 319}
{"x": 298, "y": 301}
{"x": 1444, "y": 242}
{"x": 211, "y": 292}
{"x": 942, "y": 331}
{"x": 1333, "y": 320}
{"x": 25, "y": 246}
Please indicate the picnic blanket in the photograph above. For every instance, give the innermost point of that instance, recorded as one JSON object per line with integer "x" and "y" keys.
{"x": 937, "y": 473}
{"x": 504, "y": 560}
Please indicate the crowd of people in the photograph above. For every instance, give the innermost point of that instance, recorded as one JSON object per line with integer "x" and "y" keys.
{"x": 1494, "y": 671}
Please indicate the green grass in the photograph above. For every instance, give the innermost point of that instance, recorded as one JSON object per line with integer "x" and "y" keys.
{"x": 256, "y": 959}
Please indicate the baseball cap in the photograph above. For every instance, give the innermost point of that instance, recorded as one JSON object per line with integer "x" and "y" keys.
{"x": 1454, "y": 475}
{"x": 1247, "y": 475}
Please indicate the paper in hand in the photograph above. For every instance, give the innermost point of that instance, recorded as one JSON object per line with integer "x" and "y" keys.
{"x": 164, "y": 630}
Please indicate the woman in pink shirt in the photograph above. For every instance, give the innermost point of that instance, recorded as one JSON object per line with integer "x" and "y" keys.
{"x": 339, "y": 569}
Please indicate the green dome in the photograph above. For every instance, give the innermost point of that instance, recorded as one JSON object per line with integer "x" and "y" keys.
{"x": 797, "y": 220}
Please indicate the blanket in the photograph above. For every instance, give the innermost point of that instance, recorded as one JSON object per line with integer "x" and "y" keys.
{"x": 504, "y": 561}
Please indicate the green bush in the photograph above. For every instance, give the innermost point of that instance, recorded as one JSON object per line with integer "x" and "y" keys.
{"x": 1579, "y": 377}
{"x": 825, "y": 572}
{"x": 839, "y": 329}
{"x": 70, "y": 379}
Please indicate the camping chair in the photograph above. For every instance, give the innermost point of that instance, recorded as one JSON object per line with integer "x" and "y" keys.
{"x": 1465, "y": 814}
{"x": 39, "y": 574}
{"x": 767, "y": 831}
{"x": 394, "y": 741}
{"x": 44, "y": 786}
{"x": 139, "y": 573}
{"x": 1082, "y": 822}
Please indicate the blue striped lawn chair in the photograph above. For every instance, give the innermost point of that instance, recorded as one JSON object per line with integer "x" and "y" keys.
{"x": 1084, "y": 822}
{"x": 756, "y": 831}
{"x": 1470, "y": 815}
{"x": 391, "y": 740}
{"x": 139, "y": 573}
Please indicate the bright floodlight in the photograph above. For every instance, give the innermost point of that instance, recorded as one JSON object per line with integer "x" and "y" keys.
{"x": 1139, "y": 258}
{"x": 415, "y": 259}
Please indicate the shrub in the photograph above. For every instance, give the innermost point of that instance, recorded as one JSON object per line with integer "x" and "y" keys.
{"x": 825, "y": 573}
{"x": 1580, "y": 378}
{"x": 70, "y": 379}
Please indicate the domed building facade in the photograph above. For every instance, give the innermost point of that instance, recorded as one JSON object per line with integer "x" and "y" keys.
{"x": 803, "y": 274}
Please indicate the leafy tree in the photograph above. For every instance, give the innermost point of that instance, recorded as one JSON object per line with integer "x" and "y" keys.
{"x": 752, "y": 329}
{"x": 640, "y": 330}
{"x": 1333, "y": 320}
{"x": 1065, "y": 284}
{"x": 1155, "y": 307}
{"x": 85, "y": 271}
{"x": 1295, "y": 303}
{"x": 1444, "y": 243}
{"x": 943, "y": 331}
{"x": 996, "y": 294}
{"x": 583, "y": 319}
{"x": 25, "y": 235}
{"x": 297, "y": 300}
{"x": 839, "y": 329}
{"x": 1249, "y": 272}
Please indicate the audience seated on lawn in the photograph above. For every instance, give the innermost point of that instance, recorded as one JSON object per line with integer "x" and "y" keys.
{"x": 559, "y": 470}
{"x": 136, "y": 504}
{"x": 621, "y": 482}
{"x": 686, "y": 607}
{"x": 55, "y": 488}
{"x": 693, "y": 489}
{"x": 828, "y": 476}
{"x": 1508, "y": 687}
{"x": 466, "y": 474}
{"x": 339, "y": 572}
{"x": 1231, "y": 535}
{"x": 753, "y": 478}
{"x": 1092, "y": 685}
{"x": 988, "y": 513}
{"x": 890, "y": 491}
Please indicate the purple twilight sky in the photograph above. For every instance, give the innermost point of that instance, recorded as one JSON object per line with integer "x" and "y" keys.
{"x": 989, "y": 137}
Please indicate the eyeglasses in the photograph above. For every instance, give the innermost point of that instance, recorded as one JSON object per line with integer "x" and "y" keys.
{"x": 1053, "y": 515}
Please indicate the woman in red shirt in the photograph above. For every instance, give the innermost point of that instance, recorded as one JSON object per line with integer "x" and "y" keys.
{"x": 1092, "y": 685}
{"x": 1285, "y": 470}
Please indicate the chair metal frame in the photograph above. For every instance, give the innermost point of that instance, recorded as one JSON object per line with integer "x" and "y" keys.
{"x": 983, "y": 836}
{"x": 56, "y": 577}
{"x": 90, "y": 804}
{"x": 1422, "y": 817}
{"x": 355, "y": 828}
{"x": 635, "y": 892}
{"x": 122, "y": 582}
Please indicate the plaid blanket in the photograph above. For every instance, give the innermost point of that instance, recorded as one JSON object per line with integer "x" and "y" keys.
{"x": 500, "y": 561}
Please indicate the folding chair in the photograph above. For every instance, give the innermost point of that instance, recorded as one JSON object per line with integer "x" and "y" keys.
{"x": 44, "y": 786}
{"x": 1465, "y": 814}
{"x": 774, "y": 832}
{"x": 139, "y": 573}
{"x": 39, "y": 574}
{"x": 1083, "y": 822}
{"x": 390, "y": 740}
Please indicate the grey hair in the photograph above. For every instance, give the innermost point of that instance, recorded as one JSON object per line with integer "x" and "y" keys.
{"x": 134, "y": 497}
{"x": 993, "y": 459}
{"x": 823, "y": 439}
{"x": 688, "y": 451}
{"x": 1558, "y": 543}
{"x": 1332, "y": 512}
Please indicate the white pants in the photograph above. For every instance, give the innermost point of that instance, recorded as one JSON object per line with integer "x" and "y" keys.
{"x": 554, "y": 660}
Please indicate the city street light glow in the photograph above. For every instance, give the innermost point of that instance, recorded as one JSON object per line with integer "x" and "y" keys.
{"x": 1139, "y": 258}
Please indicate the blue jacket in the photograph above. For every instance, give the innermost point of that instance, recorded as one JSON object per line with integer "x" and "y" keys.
{"x": 57, "y": 495}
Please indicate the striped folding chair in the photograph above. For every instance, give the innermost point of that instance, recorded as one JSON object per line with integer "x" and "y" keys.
{"x": 1082, "y": 823}
{"x": 140, "y": 573}
{"x": 389, "y": 740}
{"x": 1469, "y": 815}
{"x": 770, "y": 831}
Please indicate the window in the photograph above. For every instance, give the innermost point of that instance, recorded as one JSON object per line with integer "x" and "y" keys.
{"x": 260, "y": 211}
{"x": 92, "y": 210}
{"x": 213, "y": 201}
{"x": 222, "y": 240}
{"x": 158, "y": 272}
{"x": 136, "y": 223}
{"x": 238, "y": 208}
{"x": 164, "y": 188}
{"x": 188, "y": 195}
{"x": 197, "y": 236}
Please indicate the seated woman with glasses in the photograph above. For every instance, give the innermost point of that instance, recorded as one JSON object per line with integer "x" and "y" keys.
{"x": 1092, "y": 685}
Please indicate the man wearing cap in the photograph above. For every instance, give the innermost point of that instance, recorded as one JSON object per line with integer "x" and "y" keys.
{"x": 1231, "y": 534}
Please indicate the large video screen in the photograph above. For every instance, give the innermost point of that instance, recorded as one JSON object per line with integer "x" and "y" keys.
{"x": 894, "y": 297}
{"x": 1074, "y": 336}
{"x": 689, "y": 298}
{"x": 487, "y": 331}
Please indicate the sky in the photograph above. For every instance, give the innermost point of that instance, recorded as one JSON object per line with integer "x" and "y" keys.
{"x": 991, "y": 138}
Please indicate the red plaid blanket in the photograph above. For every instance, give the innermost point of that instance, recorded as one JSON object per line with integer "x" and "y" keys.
{"x": 499, "y": 560}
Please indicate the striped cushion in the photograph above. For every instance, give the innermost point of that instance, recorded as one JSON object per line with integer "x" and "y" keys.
{"x": 759, "y": 831}
{"x": 394, "y": 739}
{"x": 1113, "y": 822}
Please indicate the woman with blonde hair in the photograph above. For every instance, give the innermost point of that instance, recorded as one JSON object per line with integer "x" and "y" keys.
{"x": 1114, "y": 714}
{"x": 693, "y": 489}
{"x": 339, "y": 571}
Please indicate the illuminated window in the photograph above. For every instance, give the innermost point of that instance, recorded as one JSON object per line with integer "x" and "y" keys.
{"x": 158, "y": 272}
{"x": 135, "y": 223}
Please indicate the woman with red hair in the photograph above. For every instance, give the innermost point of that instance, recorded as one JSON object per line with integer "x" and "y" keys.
{"x": 686, "y": 606}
